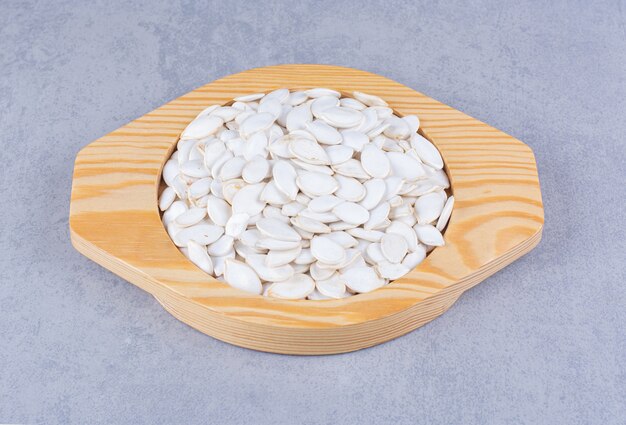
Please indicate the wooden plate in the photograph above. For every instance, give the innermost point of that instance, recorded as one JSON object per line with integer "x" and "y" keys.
{"x": 114, "y": 220}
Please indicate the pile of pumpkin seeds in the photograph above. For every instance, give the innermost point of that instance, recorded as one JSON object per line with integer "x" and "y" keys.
{"x": 305, "y": 194}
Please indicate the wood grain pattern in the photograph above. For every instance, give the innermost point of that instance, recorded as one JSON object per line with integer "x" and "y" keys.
{"x": 114, "y": 220}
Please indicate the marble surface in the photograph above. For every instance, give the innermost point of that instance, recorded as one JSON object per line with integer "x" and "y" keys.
{"x": 542, "y": 341}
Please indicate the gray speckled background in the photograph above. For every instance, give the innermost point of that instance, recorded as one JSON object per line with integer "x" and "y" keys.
{"x": 543, "y": 341}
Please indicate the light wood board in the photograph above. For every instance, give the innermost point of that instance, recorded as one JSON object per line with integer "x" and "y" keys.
{"x": 114, "y": 220}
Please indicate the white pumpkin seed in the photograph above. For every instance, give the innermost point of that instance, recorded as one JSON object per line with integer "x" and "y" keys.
{"x": 405, "y": 167}
{"x": 241, "y": 276}
{"x": 194, "y": 169}
{"x": 219, "y": 210}
{"x": 171, "y": 169}
{"x": 309, "y": 151}
{"x": 322, "y": 103}
{"x": 341, "y": 117}
{"x": 279, "y": 94}
{"x": 350, "y": 189}
{"x": 213, "y": 150}
{"x": 285, "y": 178}
{"x": 276, "y": 244}
{"x": 394, "y": 247}
{"x": 404, "y": 230}
{"x": 271, "y": 106}
{"x": 232, "y": 168}
{"x": 392, "y": 271}
{"x": 324, "y": 133}
{"x": 217, "y": 165}
{"x": 250, "y": 237}
{"x": 375, "y": 190}
{"x": 271, "y": 211}
{"x": 167, "y": 198}
{"x": 296, "y": 287}
{"x": 276, "y": 229}
{"x": 428, "y": 234}
{"x": 208, "y": 110}
{"x": 292, "y": 208}
{"x": 298, "y": 117}
{"x": 190, "y": 217}
{"x": 332, "y": 287}
{"x": 255, "y": 170}
{"x": 378, "y": 216}
{"x": 397, "y": 129}
{"x": 375, "y": 162}
{"x": 351, "y": 168}
{"x": 318, "y": 296}
{"x": 222, "y": 246}
{"x": 368, "y": 99}
{"x": 204, "y": 234}
{"x": 249, "y": 97}
{"x": 202, "y": 127}
{"x": 305, "y": 257}
{"x": 413, "y": 259}
{"x": 375, "y": 254}
{"x": 174, "y": 210}
{"x": 429, "y": 207}
{"x": 237, "y": 224}
{"x": 327, "y": 251}
{"x": 256, "y": 145}
{"x": 413, "y": 122}
{"x": 310, "y": 225}
{"x": 226, "y": 113}
{"x": 319, "y": 92}
{"x": 350, "y": 212}
{"x": 320, "y": 271}
{"x": 362, "y": 279}
{"x": 301, "y": 165}
{"x": 297, "y": 97}
{"x": 270, "y": 274}
{"x": 324, "y": 203}
{"x": 348, "y": 102}
{"x": 325, "y": 217}
{"x": 342, "y": 238}
{"x": 248, "y": 199}
{"x": 281, "y": 258}
{"x": 255, "y": 123}
{"x": 368, "y": 235}
{"x": 338, "y": 226}
{"x": 339, "y": 153}
{"x": 200, "y": 188}
{"x": 316, "y": 184}
{"x": 219, "y": 264}
{"x": 229, "y": 189}
{"x": 198, "y": 255}
{"x": 272, "y": 195}
{"x": 442, "y": 222}
{"x": 354, "y": 139}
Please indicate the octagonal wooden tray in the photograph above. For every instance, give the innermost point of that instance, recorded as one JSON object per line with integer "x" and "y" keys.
{"x": 114, "y": 220}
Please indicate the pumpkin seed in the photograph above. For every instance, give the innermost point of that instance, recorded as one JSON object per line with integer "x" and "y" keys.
{"x": 350, "y": 212}
{"x": 442, "y": 222}
{"x": 202, "y": 127}
{"x": 319, "y": 195}
{"x": 428, "y": 234}
{"x": 198, "y": 255}
{"x": 296, "y": 287}
{"x": 316, "y": 184}
{"x": 190, "y": 217}
{"x": 362, "y": 279}
{"x": 167, "y": 198}
{"x": 394, "y": 247}
{"x": 242, "y": 276}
